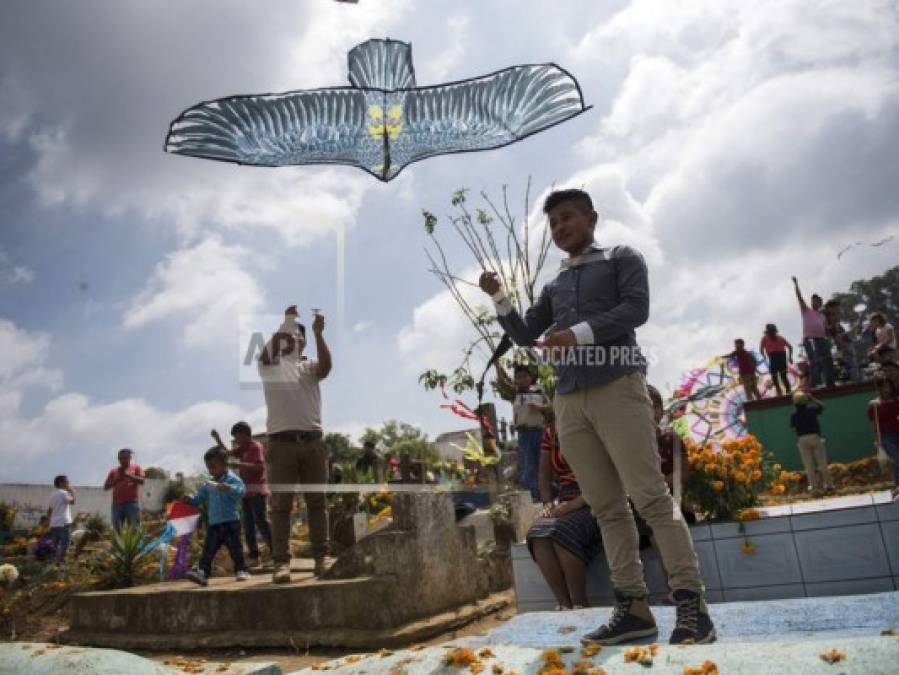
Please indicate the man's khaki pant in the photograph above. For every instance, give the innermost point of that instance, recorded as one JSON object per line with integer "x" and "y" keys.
{"x": 814, "y": 458}
{"x": 288, "y": 463}
{"x": 608, "y": 435}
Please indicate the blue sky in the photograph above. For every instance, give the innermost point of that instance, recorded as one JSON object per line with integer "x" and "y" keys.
{"x": 734, "y": 145}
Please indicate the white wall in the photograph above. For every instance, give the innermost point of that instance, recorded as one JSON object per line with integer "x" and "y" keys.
{"x": 30, "y": 501}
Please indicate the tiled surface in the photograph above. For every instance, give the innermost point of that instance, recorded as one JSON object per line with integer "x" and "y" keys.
{"x": 708, "y": 564}
{"x": 774, "y": 559}
{"x": 701, "y": 532}
{"x": 817, "y": 551}
{"x": 751, "y": 527}
{"x": 764, "y": 593}
{"x": 853, "y": 516}
{"x": 890, "y": 530}
{"x": 851, "y": 587}
{"x": 853, "y": 552}
{"x": 888, "y": 511}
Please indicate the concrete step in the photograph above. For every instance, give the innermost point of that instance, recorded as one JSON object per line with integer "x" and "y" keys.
{"x": 297, "y": 566}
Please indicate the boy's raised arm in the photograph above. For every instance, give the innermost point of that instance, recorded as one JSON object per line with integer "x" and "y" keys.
{"x": 523, "y": 331}
{"x": 632, "y": 310}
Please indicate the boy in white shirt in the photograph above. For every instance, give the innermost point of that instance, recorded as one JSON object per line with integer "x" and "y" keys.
{"x": 60, "y": 515}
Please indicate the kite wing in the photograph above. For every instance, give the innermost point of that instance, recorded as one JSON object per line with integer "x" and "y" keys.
{"x": 383, "y": 122}
{"x": 305, "y": 127}
{"x": 479, "y": 114}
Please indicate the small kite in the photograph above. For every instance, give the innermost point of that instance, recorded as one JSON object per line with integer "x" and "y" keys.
{"x": 181, "y": 522}
{"x": 873, "y": 244}
{"x": 383, "y": 121}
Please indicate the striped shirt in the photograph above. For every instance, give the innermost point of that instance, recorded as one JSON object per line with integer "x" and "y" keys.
{"x": 569, "y": 489}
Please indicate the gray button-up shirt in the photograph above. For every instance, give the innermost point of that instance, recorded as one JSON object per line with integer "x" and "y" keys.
{"x": 602, "y": 295}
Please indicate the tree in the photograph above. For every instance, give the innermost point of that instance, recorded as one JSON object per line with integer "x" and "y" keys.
{"x": 497, "y": 243}
{"x": 878, "y": 294}
{"x": 340, "y": 447}
{"x": 403, "y": 440}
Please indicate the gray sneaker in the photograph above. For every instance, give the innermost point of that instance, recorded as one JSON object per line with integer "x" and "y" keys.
{"x": 198, "y": 577}
{"x": 622, "y": 626}
{"x": 243, "y": 575}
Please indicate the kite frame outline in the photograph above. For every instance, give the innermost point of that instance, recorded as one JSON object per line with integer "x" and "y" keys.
{"x": 577, "y": 86}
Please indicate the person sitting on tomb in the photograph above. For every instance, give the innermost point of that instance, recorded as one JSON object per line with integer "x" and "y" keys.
{"x": 222, "y": 496}
{"x": 566, "y": 537}
{"x": 883, "y": 412}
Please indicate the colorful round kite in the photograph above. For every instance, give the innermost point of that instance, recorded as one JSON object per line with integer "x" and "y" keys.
{"x": 711, "y": 398}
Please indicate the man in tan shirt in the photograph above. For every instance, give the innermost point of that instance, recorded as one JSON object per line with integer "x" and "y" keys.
{"x": 296, "y": 449}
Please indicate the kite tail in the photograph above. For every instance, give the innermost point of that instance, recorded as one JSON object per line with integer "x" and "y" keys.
{"x": 168, "y": 533}
{"x": 179, "y": 565}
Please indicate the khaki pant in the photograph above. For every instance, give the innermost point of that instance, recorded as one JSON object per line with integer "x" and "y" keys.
{"x": 814, "y": 459}
{"x": 608, "y": 435}
{"x": 290, "y": 462}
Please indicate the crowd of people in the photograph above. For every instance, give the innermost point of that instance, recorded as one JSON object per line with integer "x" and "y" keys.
{"x": 608, "y": 477}
{"x": 824, "y": 337}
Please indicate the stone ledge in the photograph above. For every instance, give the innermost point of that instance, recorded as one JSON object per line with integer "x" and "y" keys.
{"x": 407, "y": 634}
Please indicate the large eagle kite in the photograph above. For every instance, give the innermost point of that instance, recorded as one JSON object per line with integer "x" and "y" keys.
{"x": 383, "y": 121}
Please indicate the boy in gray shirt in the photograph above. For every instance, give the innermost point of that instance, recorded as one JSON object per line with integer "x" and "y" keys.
{"x": 604, "y": 415}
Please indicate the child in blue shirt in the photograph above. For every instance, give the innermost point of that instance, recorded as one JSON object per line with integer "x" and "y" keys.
{"x": 222, "y": 496}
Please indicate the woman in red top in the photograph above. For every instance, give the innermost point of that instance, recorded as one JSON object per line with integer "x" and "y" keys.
{"x": 775, "y": 347}
{"x": 883, "y": 412}
{"x": 565, "y": 538}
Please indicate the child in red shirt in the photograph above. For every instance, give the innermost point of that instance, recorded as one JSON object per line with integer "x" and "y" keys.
{"x": 746, "y": 365}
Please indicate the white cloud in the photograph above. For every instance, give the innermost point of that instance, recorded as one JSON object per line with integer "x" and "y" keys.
{"x": 438, "y": 333}
{"x": 207, "y": 283}
{"x": 74, "y": 434}
{"x": 16, "y": 106}
{"x": 14, "y": 274}
{"x": 99, "y": 145}
{"x": 743, "y": 143}
{"x": 362, "y": 326}
{"x": 442, "y": 67}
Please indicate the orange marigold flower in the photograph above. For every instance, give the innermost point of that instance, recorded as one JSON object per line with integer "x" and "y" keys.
{"x": 707, "y": 668}
{"x": 778, "y": 489}
{"x": 833, "y": 656}
{"x": 711, "y": 467}
{"x": 748, "y": 547}
{"x": 756, "y": 475}
{"x": 718, "y": 485}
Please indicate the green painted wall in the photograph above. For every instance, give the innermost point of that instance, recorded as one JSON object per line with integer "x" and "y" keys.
{"x": 844, "y": 425}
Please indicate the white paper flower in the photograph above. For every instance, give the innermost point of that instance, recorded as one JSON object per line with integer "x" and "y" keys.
{"x": 8, "y": 573}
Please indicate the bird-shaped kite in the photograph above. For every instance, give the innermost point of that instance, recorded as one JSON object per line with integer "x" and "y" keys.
{"x": 383, "y": 121}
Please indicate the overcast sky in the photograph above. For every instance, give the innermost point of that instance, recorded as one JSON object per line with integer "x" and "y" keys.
{"x": 733, "y": 143}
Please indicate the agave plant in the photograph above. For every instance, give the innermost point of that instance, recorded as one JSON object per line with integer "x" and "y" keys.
{"x": 474, "y": 452}
{"x": 126, "y": 559}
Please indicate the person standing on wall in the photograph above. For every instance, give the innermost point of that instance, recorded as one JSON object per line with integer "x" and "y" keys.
{"x": 605, "y": 417}
{"x": 296, "y": 446}
{"x": 814, "y": 339}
